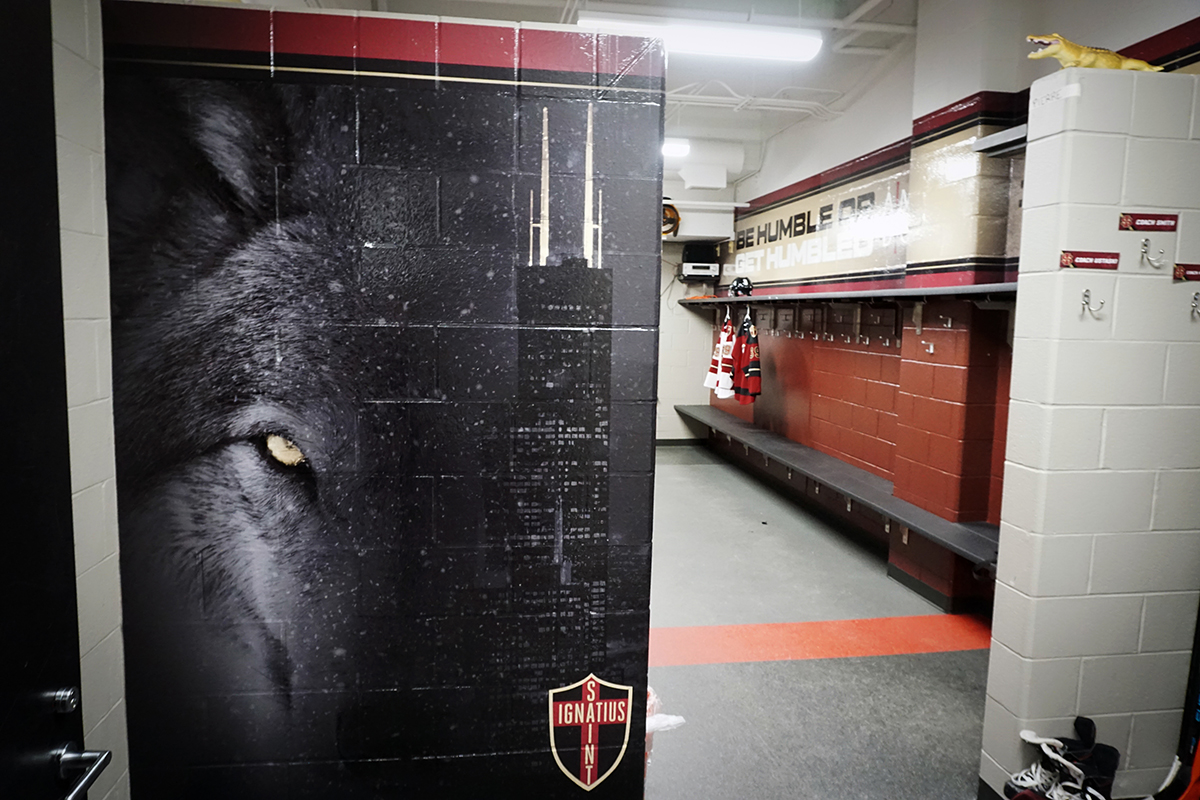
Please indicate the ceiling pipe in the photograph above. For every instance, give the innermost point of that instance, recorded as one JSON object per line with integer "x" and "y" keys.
{"x": 778, "y": 104}
{"x": 860, "y": 12}
{"x": 692, "y": 95}
{"x": 842, "y": 45}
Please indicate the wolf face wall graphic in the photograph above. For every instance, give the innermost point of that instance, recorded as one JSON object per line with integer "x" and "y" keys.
{"x": 384, "y": 325}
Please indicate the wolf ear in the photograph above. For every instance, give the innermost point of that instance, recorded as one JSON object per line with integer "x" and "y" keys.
{"x": 238, "y": 133}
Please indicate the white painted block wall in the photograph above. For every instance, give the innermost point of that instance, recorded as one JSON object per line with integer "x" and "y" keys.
{"x": 1099, "y": 569}
{"x": 79, "y": 116}
{"x": 684, "y": 348}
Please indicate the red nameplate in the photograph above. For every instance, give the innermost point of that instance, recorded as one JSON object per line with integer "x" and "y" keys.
{"x": 1187, "y": 272}
{"x": 1080, "y": 259}
{"x": 1148, "y": 222}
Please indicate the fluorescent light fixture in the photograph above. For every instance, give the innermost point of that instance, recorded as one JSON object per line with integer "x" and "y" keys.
{"x": 676, "y": 148}
{"x": 729, "y": 40}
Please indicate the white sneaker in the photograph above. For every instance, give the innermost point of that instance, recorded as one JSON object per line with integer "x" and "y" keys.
{"x": 1073, "y": 791}
{"x": 1045, "y": 774}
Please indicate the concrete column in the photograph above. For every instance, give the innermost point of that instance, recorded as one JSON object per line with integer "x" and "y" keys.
{"x": 79, "y": 114}
{"x": 1099, "y": 567}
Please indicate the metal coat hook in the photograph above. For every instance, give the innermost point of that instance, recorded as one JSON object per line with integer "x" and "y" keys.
{"x": 1196, "y": 305}
{"x": 1087, "y": 303}
{"x": 928, "y": 347}
{"x": 1157, "y": 263}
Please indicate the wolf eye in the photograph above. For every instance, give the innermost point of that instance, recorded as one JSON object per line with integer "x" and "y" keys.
{"x": 284, "y": 450}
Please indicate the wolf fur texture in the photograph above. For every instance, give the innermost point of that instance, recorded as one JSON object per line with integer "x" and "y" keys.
{"x": 240, "y": 373}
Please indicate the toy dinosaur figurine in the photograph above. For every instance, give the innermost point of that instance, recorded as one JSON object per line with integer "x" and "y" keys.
{"x": 1070, "y": 54}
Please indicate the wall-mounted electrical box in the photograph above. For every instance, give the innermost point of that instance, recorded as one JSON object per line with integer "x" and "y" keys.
{"x": 700, "y": 262}
{"x": 700, "y": 272}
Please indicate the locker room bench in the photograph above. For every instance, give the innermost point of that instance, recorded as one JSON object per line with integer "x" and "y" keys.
{"x": 950, "y": 563}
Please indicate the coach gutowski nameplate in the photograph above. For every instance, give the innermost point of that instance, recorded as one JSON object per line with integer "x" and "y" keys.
{"x": 589, "y": 728}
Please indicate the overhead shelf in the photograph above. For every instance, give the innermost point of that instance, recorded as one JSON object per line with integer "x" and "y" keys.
{"x": 871, "y": 294}
{"x": 1001, "y": 143}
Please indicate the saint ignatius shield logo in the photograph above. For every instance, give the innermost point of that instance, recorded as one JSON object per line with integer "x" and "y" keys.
{"x": 589, "y": 728}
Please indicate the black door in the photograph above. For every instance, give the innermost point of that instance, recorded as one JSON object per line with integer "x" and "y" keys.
{"x": 39, "y": 639}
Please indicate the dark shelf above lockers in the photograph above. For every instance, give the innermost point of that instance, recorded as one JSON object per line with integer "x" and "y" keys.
{"x": 999, "y": 290}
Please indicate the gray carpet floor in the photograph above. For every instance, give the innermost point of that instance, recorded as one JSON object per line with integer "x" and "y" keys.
{"x": 728, "y": 551}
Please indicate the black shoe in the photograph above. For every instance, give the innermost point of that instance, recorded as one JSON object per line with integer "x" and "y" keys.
{"x": 1060, "y": 761}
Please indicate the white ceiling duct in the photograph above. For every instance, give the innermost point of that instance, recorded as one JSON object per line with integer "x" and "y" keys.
{"x": 708, "y": 163}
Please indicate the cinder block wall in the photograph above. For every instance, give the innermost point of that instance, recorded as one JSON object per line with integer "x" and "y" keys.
{"x": 79, "y": 112}
{"x": 1099, "y": 566}
{"x": 684, "y": 347}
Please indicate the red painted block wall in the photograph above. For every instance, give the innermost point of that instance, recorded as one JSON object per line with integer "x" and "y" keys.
{"x": 831, "y": 395}
{"x": 1000, "y": 432}
{"x": 934, "y": 423}
{"x": 949, "y": 385}
{"x": 853, "y": 404}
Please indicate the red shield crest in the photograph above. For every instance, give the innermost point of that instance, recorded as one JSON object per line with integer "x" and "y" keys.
{"x": 589, "y": 728}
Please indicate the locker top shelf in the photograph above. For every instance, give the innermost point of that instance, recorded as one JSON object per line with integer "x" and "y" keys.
{"x": 985, "y": 289}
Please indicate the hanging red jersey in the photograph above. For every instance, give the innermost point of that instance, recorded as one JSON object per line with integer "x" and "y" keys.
{"x": 747, "y": 372}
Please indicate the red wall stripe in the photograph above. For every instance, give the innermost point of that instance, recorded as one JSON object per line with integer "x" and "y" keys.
{"x": 796, "y": 641}
{"x": 385, "y": 38}
{"x": 337, "y": 35}
{"x": 834, "y": 285}
{"x": 558, "y": 50}
{"x": 478, "y": 45}
{"x": 1002, "y": 103}
{"x": 398, "y": 40}
{"x": 969, "y": 277}
{"x": 1181, "y": 37}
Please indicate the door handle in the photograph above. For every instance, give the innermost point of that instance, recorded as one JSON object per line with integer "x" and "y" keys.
{"x": 92, "y": 762}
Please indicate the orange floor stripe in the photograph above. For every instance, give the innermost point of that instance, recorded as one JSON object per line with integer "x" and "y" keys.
{"x": 794, "y": 641}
